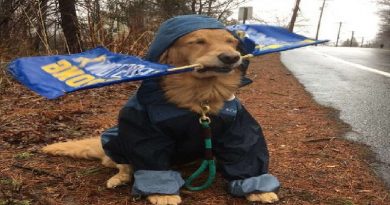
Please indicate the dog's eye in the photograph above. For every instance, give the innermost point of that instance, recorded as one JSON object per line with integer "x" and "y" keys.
{"x": 200, "y": 41}
{"x": 231, "y": 40}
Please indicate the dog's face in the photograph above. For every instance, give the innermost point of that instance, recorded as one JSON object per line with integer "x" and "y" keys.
{"x": 216, "y": 82}
{"x": 215, "y": 49}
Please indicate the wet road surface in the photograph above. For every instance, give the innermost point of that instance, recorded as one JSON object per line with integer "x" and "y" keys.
{"x": 355, "y": 81}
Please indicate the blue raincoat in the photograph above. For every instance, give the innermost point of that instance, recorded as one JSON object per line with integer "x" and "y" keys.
{"x": 154, "y": 134}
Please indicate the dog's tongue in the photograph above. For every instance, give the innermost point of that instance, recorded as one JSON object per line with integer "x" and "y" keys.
{"x": 215, "y": 69}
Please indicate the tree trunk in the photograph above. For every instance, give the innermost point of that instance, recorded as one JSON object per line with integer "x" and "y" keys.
{"x": 96, "y": 12}
{"x": 70, "y": 25}
{"x": 209, "y": 7}
{"x": 137, "y": 15}
{"x": 7, "y": 9}
{"x": 193, "y": 6}
{"x": 200, "y": 7}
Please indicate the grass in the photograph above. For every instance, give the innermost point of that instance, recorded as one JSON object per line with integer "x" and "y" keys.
{"x": 12, "y": 189}
{"x": 14, "y": 202}
{"x": 24, "y": 155}
{"x": 91, "y": 171}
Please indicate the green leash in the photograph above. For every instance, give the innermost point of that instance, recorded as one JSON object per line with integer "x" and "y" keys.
{"x": 208, "y": 161}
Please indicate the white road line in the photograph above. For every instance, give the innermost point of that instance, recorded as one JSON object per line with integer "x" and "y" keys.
{"x": 361, "y": 67}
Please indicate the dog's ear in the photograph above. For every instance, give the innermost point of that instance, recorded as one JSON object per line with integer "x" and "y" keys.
{"x": 164, "y": 57}
{"x": 172, "y": 56}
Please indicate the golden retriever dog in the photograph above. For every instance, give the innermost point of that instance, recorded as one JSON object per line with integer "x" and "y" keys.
{"x": 215, "y": 83}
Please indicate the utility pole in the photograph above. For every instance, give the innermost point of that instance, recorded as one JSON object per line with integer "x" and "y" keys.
{"x": 319, "y": 20}
{"x": 350, "y": 44}
{"x": 361, "y": 44}
{"x": 338, "y": 34}
{"x": 294, "y": 16}
{"x": 245, "y": 15}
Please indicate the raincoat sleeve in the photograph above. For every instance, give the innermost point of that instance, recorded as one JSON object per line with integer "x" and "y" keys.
{"x": 146, "y": 148}
{"x": 243, "y": 157}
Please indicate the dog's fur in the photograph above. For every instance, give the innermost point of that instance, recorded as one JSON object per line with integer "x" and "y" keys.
{"x": 186, "y": 90}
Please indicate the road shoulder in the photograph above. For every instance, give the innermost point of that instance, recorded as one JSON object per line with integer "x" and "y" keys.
{"x": 308, "y": 153}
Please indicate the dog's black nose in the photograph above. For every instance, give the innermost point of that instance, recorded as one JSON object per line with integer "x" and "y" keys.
{"x": 228, "y": 58}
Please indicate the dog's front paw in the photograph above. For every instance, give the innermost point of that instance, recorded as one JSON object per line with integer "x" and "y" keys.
{"x": 164, "y": 199}
{"x": 114, "y": 182}
{"x": 117, "y": 180}
{"x": 267, "y": 197}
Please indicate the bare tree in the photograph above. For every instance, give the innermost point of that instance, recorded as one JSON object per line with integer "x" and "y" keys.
{"x": 170, "y": 8}
{"x": 70, "y": 25}
{"x": 52, "y": 26}
{"x": 350, "y": 43}
{"x": 220, "y": 9}
{"x": 41, "y": 16}
{"x": 383, "y": 36}
{"x": 7, "y": 10}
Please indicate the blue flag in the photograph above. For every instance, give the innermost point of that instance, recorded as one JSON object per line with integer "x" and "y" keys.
{"x": 53, "y": 76}
{"x": 263, "y": 39}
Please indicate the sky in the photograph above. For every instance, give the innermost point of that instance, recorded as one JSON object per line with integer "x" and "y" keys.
{"x": 359, "y": 16}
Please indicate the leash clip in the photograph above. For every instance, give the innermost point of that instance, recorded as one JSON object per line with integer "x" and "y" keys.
{"x": 203, "y": 116}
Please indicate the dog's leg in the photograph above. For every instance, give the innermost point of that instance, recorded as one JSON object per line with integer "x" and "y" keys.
{"x": 107, "y": 162}
{"x": 122, "y": 177}
{"x": 90, "y": 148}
{"x": 267, "y": 197}
{"x": 164, "y": 199}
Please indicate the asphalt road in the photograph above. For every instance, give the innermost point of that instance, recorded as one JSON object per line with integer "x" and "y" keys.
{"x": 355, "y": 81}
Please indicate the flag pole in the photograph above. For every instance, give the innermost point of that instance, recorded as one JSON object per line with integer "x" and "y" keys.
{"x": 200, "y": 66}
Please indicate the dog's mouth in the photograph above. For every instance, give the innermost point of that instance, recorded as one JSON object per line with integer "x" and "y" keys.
{"x": 215, "y": 69}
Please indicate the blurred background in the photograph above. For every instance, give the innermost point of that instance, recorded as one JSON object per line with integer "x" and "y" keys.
{"x": 37, "y": 27}
{"x": 49, "y": 26}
